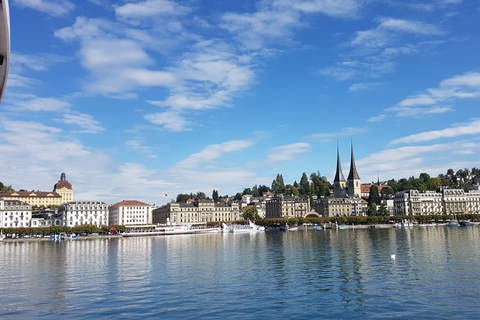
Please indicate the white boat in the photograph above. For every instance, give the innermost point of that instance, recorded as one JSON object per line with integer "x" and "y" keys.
{"x": 405, "y": 223}
{"x": 55, "y": 237}
{"x": 242, "y": 228}
{"x": 288, "y": 228}
{"x": 68, "y": 236}
{"x": 167, "y": 229}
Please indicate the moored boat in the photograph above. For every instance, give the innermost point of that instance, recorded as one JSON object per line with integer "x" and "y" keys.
{"x": 167, "y": 229}
{"x": 68, "y": 236}
{"x": 318, "y": 228}
{"x": 242, "y": 228}
{"x": 466, "y": 224}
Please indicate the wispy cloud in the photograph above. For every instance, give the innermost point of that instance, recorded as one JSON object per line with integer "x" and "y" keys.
{"x": 472, "y": 128}
{"x": 38, "y": 104}
{"x": 365, "y": 86}
{"x": 288, "y": 152}
{"x": 55, "y": 8}
{"x": 345, "y": 132}
{"x": 85, "y": 121}
{"x": 466, "y": 86}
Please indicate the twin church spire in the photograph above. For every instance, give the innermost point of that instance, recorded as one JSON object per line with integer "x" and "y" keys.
{"x": 351, "y": 187}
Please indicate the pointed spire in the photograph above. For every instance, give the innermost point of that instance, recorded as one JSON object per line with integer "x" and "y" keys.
{"x": 353, "y": 174}
{"x": 339, "y": 174}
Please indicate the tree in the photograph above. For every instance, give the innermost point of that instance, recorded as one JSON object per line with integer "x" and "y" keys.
{"x": 255, "y": 192}
{"x": 387, "y": 192}
{"x": 238, "y": 196}
{"x": 424, "y": 177}
{"x": 372, "y": 210}
{"x": 215, "y": 196}
{"x": 250, "y": 213}
{"x": 182, "y": 198}
{"x": 278, "y": 186}
{"x": 200, "y": 196}
{"x": 291, "y": 190}
{"x": 247, "y": 191}
{"x": 4, "y": 188}
{"x": 304, "y": 185}
{"x": 263, "y": 189}
{"x": 382, "y": 211}
{"x": 373, "y": 198}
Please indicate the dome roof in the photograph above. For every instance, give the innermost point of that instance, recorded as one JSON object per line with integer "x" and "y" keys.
{"x": 62, "y": 183}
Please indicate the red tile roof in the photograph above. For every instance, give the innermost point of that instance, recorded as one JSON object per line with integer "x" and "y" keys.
{"x": 130, "y": 203}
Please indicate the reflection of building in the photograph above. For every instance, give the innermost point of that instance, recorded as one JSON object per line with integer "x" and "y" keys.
{"x": 347, "y": 193}
{"x": 15, "y": 214}
{"x": 197, "y": 211}
{"x": 62, "y": 193}
{"x": 130, "y": 212}
{"x": 287, "y": 207}
{"x": 78, "y": 213}
{"x": 447, "y": 201}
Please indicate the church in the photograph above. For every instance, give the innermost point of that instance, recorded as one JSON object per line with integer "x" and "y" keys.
{"x": 347, "y": 193}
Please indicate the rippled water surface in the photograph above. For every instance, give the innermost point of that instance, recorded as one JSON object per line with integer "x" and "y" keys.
{"x": 344, "y": 274}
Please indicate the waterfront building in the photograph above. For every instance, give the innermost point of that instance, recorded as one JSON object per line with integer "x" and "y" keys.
{"x": 446, "y": 201}
{"x": 130, "y": 212}
{"x": 197, "y": 211}
{"x": 78, "y": 213}
{"x": 62, "y": 193}
{"x": 347, "y": 193}
{"x": 287, "y": 207}
{"x": 14, "y": 214}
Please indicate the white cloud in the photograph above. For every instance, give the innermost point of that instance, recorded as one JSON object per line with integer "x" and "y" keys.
{"x": 150, "y": 8}
{"x": 287, "y": 152}
{"x": 55, "y": 8}
{"x": 377, "y": 118}
{"x": 42, "y": 104}
{"x": 363, "y": 86}
{"x": 459, "y": 87}
{"x": 472, "y": 128}
{"x": 345, "y": 132}
{"x": 85, "y": 121}
{"x": 170, "y": 120}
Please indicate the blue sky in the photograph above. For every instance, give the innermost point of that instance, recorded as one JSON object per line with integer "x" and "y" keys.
{"x": 130, "y": 98}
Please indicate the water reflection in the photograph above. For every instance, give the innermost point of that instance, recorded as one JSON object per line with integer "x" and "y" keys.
{"x": 346, "y": 274}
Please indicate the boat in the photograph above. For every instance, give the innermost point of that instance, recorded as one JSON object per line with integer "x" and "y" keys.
{"x": 453, "y": 223}
{"x": 405, "y": 223}
{"x": 318, "y": 228}
{"x": 466, "y": 224}
{"x": 167, "y": 229}
{"x": 54, "y": 237}
{"x": 68, "y": 236}
{"x": 242, "y": 228}
{"x": 288, "y": 228}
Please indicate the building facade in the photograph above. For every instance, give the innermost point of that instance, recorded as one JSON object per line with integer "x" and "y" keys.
{"x": 130, "y": 212}
{"x": 286, "y": 207}
{"x": 197, "y": 211}
{"x": 15, "y": 214}
{"x": 339, "y": 207}
{"x": 77, "y": 213}
{"x": 446, "y": 201}
{"x": 64, "y": 188}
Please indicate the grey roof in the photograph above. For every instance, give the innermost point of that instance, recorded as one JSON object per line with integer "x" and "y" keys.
{"x": 353, "y": 174}
{"x": 339, "y": 174}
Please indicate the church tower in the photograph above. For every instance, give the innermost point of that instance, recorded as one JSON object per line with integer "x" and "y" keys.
{"x": 353, "y": 181}
{"x": 339, "y": 184}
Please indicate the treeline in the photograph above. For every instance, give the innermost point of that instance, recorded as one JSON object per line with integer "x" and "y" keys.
{"x": 46, "y": 231}
{"x": 463, "y": 179}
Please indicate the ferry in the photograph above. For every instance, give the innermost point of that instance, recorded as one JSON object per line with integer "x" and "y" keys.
{"x": 242, "y": 228}
{"x": 167, "y": 229}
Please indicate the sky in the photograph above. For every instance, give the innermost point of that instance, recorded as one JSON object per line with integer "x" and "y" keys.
{"x": 134, "y": 98}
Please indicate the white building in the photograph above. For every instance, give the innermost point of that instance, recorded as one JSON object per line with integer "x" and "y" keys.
{"x": 129, "y": 212}
{"x": 77, "y": 213}
{"x": 15, "y": 214}
{"x": 448, "y": 201}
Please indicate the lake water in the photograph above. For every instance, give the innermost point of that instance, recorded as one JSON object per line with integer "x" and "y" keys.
{"x": 330, "y": 274}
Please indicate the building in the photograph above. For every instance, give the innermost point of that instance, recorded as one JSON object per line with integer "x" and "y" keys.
{"x": 339, "y": 207}
{"x": 197, "y": 211}
{"x": 64, "y": 189}
{"x": 287, "y": 207}
{"x": 77, "y": 213}
{"x": 347, "y": 193}
{"x": 129, "y": 212}
{"x": 15, "y": 214}
{"x": 446, "y": 201}
{"x": 62, "y": 193}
